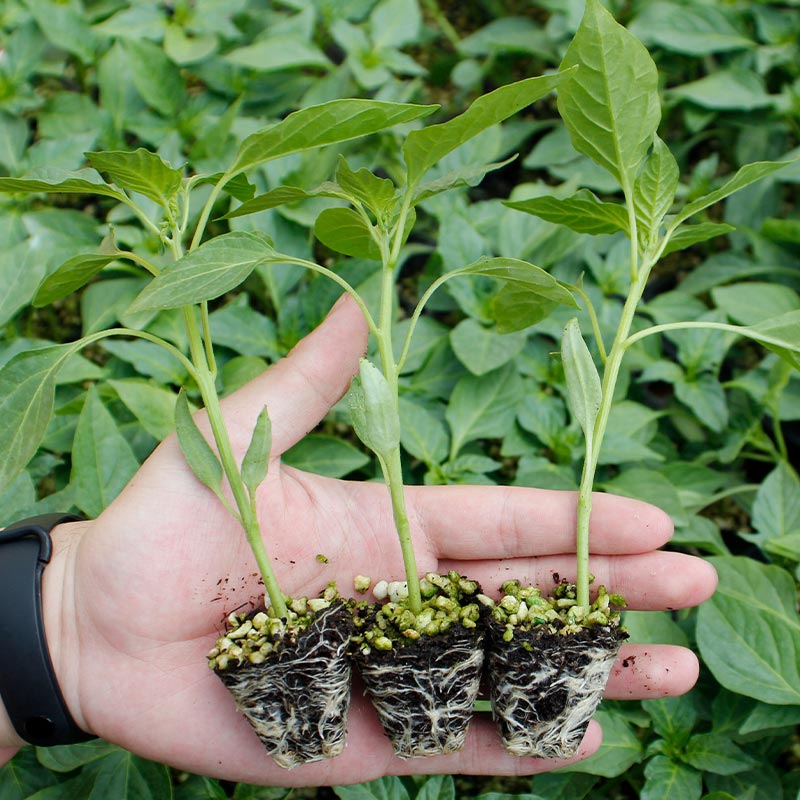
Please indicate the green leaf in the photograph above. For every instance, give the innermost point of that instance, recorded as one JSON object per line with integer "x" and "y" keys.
{"x": 422, "y": 433}
{"x": 376, "y": 193}
{"x": 673, "y": 717}
{"x": 654, "y": 627}
{"x": 481, "y": 349}
{"x": 157, "y": 79}
{"x": 688, "y": 235}
{"x": 483, "y": 406}
{"x": 749, "y": 173}
{"x": 65, "y": 26}
{"x": 735, "y": 88}
{"x": 666, "y": 779}
{"x": 522, "y": 275}
{"x": 374, "y": 411}
{"x": 776, "y": 510}
{"x": 202, "y": 460}
{"x": 780, "y": 334}
{"x": 390, "y": 788}
{"x": 655, "y": 186}
{"x": 277, "y": 53}
{"x": 256, "y": 460}
{"x": 751, "y": 302}
{"x": 582, "y": 212}
{"x": 52, "y": 179}
{"x": 66, "y": 758}
{"x": 470, "y": 175}
{"x": 346, "y": 231}
{"x": 705, "y": 396}
{"x": 282, "y": 195}
{"x": 214, "y": 268}
{"x": 515, "y": 308}
{"x": 23, "y": 776}
{"x": 437, "y": 787}
{"x": 611, "y": 107}
{"x": 27, "y": 389}
{"x": 139, "y": 171}
{"x": 769, "y": 717}
{"x": 424, "y": 148}
{"x": 583, "y": 381}
{"x": 749, "y": 631}
{"x": 335, "y": 121}
{"x": 620, "y": 750}
{"x": 651, "y": 486}
{"x": 102, "y": 460}
{"x": 325, "y": 455}
{"x": 71, "y": 275}
{"x": 151, "y": 404}
{"x": 714, "y": 752}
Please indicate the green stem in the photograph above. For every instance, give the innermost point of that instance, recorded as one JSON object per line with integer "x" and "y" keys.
{"x": 594, "y": 443}
{"x": 444, "y": 24}
{"x": 676, "y": 326}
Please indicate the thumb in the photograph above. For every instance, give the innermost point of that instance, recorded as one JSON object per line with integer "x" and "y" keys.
{"x": 299, "y": 389}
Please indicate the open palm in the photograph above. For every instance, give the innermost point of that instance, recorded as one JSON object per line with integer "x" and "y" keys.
{"x": 146, "y": 586}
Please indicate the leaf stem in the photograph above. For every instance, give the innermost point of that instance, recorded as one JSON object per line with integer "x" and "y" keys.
{"x": 598, "y": 336}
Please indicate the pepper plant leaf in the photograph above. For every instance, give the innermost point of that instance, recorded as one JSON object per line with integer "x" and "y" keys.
{"x": 374, "y": 411}
{"x": 470, "y": 175}
{"x": 424, "y": 148}
{"x": 655, "y": 186}
{"x": 514, "y": 308}
{"x": 376, "y": 193}
{"x": 70, "y": 276}
{"x": 749, "y": 173}
{"x": 214, "y": 268}
{"x": 688, "y": 235}
{"x": 282, "y": 195}
{"x": 27, "y": 390}
{"x": 582, "y": 212}
{"x": 256, "y": 460}
{"x": 52, "y": 179}
{"x": 611, "y": 107}
{"x": 204, "y": 462}
{"x": 139, "y": 171}
{"x": 584, "y": 392}
{"x": 780, "y": 334}
{"x": 346, "y": 231}
{"x": 327, "y": 123}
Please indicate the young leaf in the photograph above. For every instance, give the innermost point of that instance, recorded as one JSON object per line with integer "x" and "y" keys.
{"x": 611, "y": 107}
{"x": 749, "y": 173}
{"x": 655, "y": 186}
{"x": 140, "y": 171}
{"x": 514, "y": 308}
{"x": 346, "y": 231}
{"x": 335, "y": 121}
{"x": 283, "y": 195}
{"x": 424, "y": 148}
{"x": 51, "y": 179}
{"x": 373, "y": 410}
{"x": 256, "y": 459}
{"x": 582, "y": 212}
{"x": 27, "y": 389}
{"x": 583, "y": 381}
{"x": 520, "y": 274}
{"x": 202, "y": 460}
{"x": 375, "y": 193}
{"x": 780, "y": 334}
{"x": 71, "y": 275}
{"x": 102, "y": 459}
{"x": 687, "y": 235}
{"x": 216, "y": 267}
{"x": 470, "y": 175}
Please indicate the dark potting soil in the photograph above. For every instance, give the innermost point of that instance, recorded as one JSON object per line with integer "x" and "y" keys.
{"x": 297, "y": 700}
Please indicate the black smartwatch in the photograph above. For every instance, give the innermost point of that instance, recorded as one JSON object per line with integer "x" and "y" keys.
{"x": 28, "y": 686}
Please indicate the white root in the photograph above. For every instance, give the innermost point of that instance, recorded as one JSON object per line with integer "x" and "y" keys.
{"x": 541, "y": 703}
{"x": 425, "y": 702}
{"x": 297, "y": 703}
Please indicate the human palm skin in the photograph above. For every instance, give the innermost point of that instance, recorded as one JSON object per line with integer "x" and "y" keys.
{"x": 135, "y": 599}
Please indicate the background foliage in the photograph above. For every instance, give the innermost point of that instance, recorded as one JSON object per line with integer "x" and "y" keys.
{"x": 705, "y": 427}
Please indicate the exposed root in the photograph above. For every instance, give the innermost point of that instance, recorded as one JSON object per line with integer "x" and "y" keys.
{"x": 297, "y": 701}
{"x": 546, "y": 687}
{"x": 424, "y": 692}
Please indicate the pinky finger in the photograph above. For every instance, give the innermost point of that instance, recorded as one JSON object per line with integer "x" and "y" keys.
{"x": 647, "y": 671}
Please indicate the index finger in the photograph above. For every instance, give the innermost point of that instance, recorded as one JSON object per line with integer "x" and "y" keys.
{"x": 493, "y": 522}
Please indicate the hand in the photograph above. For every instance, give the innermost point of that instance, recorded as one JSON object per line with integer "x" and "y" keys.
{"x": 135, "y": 599}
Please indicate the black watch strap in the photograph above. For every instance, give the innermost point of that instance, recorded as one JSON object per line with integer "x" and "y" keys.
{"x": 28, "y": 685}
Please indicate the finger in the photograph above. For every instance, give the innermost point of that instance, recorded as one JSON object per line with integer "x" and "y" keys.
{"x": 647, "y": 671}
{"x": 470, "y": 522}
{"x": 656, "y": 581}
{"x": 300, "y": 389}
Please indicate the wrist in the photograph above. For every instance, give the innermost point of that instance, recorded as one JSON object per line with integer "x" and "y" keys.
{"x": 61, "y": 620}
